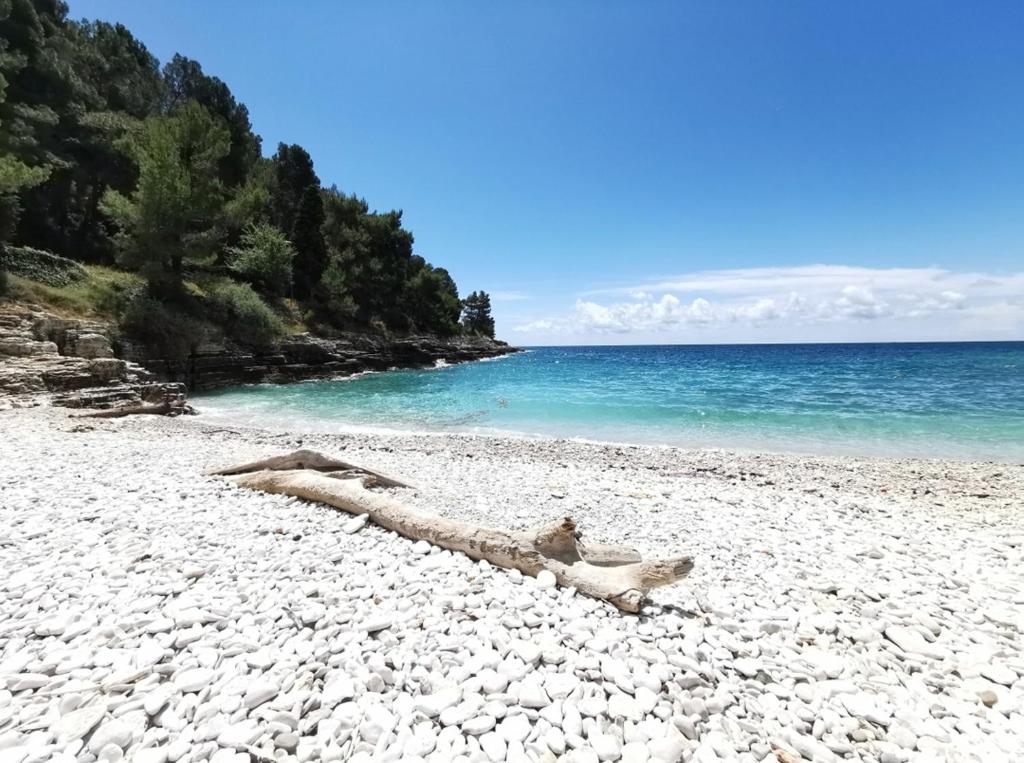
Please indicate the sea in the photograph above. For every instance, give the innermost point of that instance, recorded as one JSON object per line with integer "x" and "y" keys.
{"x": 961, "y": 400}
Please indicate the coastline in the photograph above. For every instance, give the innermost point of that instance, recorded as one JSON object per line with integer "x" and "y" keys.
{"x": 838, "y": 606}
{"x": 84, "y": 363}
{"x": 958, "y": 402}
{"x": 857, "y": 451}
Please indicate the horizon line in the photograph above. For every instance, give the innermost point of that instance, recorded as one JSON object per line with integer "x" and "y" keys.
{"x": 769, "y": 344}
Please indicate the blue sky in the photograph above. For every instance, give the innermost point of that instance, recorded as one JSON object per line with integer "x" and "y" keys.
{"x": 659, "y": 172}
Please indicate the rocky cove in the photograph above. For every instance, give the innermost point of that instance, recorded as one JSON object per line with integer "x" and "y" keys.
{"x": 77, "y": 363}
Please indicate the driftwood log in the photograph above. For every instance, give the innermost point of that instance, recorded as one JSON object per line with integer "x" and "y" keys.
{"x": 156, "y": 409}
{"x": 616, "y": 574}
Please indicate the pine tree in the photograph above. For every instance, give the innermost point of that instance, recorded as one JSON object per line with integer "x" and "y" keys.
{"x": 308, "y": 240}
{"x": 293, "y": 174}
{"x": 172, "y": 216}
{"x": 477, "y": 314}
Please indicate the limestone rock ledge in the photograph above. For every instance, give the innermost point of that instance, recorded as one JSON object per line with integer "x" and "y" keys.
{"x": 46, "y": 360}
{"x": 304, "y": 357}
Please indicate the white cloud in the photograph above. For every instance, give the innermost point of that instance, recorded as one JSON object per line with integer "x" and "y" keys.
{"x": 818, "y": 278}
{"x": 789, "y": 298}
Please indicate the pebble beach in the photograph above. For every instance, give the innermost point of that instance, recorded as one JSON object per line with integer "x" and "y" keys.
{"x": 840, "y": 608}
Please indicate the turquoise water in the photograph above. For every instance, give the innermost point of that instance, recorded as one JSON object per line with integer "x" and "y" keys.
{"x": 958, "y": 400}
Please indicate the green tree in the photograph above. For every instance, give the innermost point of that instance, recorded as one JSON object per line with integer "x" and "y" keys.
{"x": 122, "y": 75}
{"x": 383, "y": 279}
{"x": 377, "y": 259}
{"x": 477, "y": 314}
{"x": 310, "y": 249}
{"x": 107, "y": 157}
{"x": 264, "y": 258}
{"x": 332, "y": 303}
{"x": 184, "y": 81}
{"x": 78, "y": 87}
{"x": 173, "y": 215}
{"x": 431, "y": 299}
{"x": 296, "y": 207}
{"x": 38, "y": 83}
{"x": 16, "y": 174}
{"x": 293, "y": 174}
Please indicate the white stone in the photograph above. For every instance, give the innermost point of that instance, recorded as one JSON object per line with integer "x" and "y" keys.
{"x": 546, "y": 579}
{"x": 592, "y": 706}
{"x": 459, "y": 714}
{"x": 112, "y": 732}
{"x": 78, "y": 723}
{"x": 624, "y": 707}
{"x": 193, "y": 680}
{"x": 481, "y": 724}
{"x": 24, "y": 681}
{"x": 193, "y": 572}
{"x": 432, "y": 705}
{"x": 746, "y": 666}
{"x": 150, "y": 755}
{"x": 526, "y": 651}
{"x": 560, "y": 685}
{"x": 494, "y": 746}
{"x": 999, "y": 674}
{"x": 667, "y": 749}
{"x": 156, "y": 700}
{"x": 239, "y": 735}
{"x": 827, "y": 663}
{"x": 902, "y": 735}
{"x": 259, "y": 691}
{"x": 634, "y": 752}
{"x": 532, "y": 695}
{"x": 863, "y": 705}
{"x": 514, "y": 728}
{"x": 555, "y": 740}
{"x": 337, "y": 689}
{"x": 910, "y": 640}
{"x": 492, "y": 682}
{"x": 605, "y": 745}
{"x": 355, "y": 524}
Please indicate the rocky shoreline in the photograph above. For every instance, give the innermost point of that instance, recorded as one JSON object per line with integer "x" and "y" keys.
{"x": 840, "y": 609}
{"x": 305, "y": 357}
{"x": 46, "y": 359}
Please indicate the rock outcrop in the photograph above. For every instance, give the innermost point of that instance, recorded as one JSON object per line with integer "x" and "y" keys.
{"x": 70, "y": 363}
{"x": 304, "y": 356}
{"x": 86, "y": 364}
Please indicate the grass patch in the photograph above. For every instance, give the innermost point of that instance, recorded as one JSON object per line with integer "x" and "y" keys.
{"x": 290, "y": 313}
{"x": 103, "y": 293}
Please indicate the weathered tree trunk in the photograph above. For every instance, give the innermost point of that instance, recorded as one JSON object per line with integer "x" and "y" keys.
{"x": 158, "y": 409}
{"x": 614, "y": 573}
{"x": 309, "y": 460}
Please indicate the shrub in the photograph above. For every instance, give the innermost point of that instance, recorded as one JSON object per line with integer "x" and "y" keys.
{"x": 244, "y": 316}
{"x": 264, "y": 259}
{"x": 41, "y": 266}
{"x": 168, "y": 331}
{"x": 3, "y": 282}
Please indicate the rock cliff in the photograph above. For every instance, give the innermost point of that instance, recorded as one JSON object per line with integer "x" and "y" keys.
{"x": 304, "y": 357}
{"x": 71, "y": 363}
{"x": 80, "y": 363}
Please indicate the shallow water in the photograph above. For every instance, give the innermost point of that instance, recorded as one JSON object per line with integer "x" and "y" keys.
{"x": 955, "y": 400}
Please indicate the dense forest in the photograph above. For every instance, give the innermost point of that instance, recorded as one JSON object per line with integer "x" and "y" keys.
{"x": 113, "y": 161}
